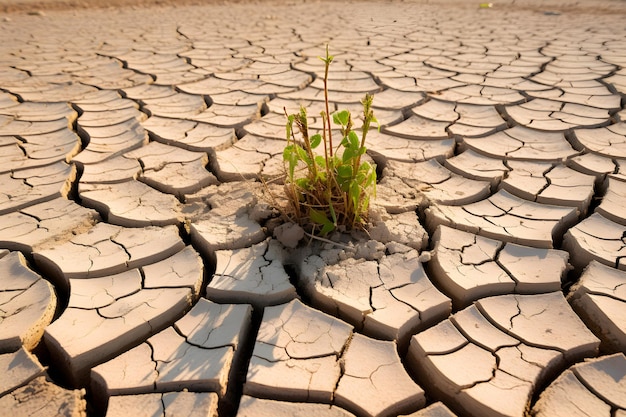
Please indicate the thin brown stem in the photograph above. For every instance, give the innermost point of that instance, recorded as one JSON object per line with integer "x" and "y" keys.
{"x": 323, "y": 115}
{"x": 330, "y": 133}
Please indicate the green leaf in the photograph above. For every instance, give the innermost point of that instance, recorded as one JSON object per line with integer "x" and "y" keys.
{"x": 341, "y": 117}
{"x": 369, "y": 179}
{"x": 288, "y": 153}
{"x": 321, "y": 219}
{"x": 315, "y": 140}
{"x": 303, "y": 155}
{"x": 344, "y": 176}
{"x": 349, "y": 154}
{"x": 333, "y": 215}
{"x": 355, "y": 195}
{"x": 344, "y": 171}
{"x": 318, "y": 217}
{"x": 320, "y": 161}
{"x": 373, "y": 119}
{"x": 303, "y": 183}
{"x": 291, "y": 157}
{"x": 327, "y": 228}
{"x": 354, "y": 139}
{"x": 365, "y": 166}
{"x": 367, "y": 169}
{"x": 328, "y": 59}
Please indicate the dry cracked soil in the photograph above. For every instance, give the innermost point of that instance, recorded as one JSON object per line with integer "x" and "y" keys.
{"x": 145, "y": 270}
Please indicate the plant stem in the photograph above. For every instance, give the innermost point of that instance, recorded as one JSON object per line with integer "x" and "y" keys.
{"x": 367, "y": 120}
{"x": 324, "y": 139}
{"x": 330, "y": 133}
{"x": 291, "y": 140}
{"x": 330, "y": 165}
{"x": 304, "y": 130}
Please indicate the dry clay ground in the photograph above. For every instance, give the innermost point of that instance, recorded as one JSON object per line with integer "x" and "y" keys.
{"x": 144, "y": 271}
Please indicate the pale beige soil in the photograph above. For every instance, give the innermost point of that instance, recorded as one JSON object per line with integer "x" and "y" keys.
{"x": 31, "y": 6}
{"x": 589, "y": 7}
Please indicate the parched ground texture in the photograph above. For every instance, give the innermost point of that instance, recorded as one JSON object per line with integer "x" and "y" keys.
{"x": 144, "y": 270}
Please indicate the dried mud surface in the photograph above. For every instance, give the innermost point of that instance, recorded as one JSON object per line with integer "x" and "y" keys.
{"x": 145, "y": 269}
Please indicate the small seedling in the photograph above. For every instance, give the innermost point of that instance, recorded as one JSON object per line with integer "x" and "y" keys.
{"x": 332, "y": 190}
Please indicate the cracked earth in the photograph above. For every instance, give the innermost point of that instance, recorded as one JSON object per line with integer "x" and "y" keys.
{"x": 145, "y": 271}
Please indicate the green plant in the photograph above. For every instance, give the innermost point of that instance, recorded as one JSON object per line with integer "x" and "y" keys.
{"x": 331, "y": 190}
